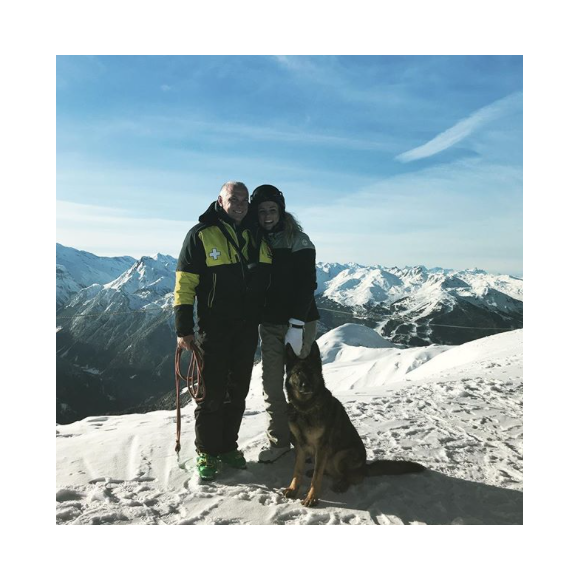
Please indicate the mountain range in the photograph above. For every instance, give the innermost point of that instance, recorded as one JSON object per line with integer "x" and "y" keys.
{"x": 115, "y": 337}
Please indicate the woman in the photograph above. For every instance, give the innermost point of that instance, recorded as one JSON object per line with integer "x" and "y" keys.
{"x": 290, "y": 312}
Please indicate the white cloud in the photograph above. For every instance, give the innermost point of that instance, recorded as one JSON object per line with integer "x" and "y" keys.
{"x": 178, "y": 127}
{"x": 112, "y": 232}
{"x": 460, "y": 215}
{"x": 462, "y": 129}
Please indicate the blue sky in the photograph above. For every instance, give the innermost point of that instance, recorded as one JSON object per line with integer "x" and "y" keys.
{"x": 384, "y": 160}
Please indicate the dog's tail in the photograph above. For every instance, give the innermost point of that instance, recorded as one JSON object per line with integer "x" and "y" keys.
{"x": 388, "y": 467}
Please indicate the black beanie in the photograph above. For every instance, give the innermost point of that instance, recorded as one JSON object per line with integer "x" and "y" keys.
{"x": 268, "y": 193}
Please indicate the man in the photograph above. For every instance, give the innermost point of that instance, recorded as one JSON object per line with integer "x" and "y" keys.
{"x": 220, "y": 266}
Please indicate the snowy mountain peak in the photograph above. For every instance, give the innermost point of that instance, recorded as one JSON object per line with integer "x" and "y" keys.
{"x": 164, "y": 258}
{"x": 149, "y": 273}
{"x": 77, "y": 269}
{"x": 356, "y": 286}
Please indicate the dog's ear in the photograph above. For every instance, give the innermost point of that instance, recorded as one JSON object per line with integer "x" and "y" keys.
{"x": 314, "y": 358}
{"x": 314, "y": 350}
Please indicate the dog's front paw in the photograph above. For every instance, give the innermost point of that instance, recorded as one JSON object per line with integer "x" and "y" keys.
{"x": 290, "y": 492}
{"x": 310, "y": 500}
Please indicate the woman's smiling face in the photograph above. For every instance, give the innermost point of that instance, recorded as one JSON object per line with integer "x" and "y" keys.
{"x": 268, "y": 215}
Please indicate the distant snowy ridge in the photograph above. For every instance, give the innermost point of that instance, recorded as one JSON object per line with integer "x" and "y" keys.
{"x": 76, "y": 269}
{"x": 123, "y": 326}
{"x": 356, "y": 285}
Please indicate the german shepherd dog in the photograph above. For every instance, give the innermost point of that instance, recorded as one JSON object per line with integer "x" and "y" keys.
{"x": 323, "y": 430}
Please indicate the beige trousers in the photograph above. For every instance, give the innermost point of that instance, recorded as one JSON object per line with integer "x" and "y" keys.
{"x": 273, "y": 348}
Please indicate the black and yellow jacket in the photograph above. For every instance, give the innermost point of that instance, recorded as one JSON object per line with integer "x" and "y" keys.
{"x": 227, "y": 285}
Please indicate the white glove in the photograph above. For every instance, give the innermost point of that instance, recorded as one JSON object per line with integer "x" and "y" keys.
{"x": 295, "y": 335}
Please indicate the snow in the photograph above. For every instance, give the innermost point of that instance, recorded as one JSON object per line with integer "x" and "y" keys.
{"x": 350, "y": 335}
{"x": 484, "y": 353}
{"x": 356, "y": 285}
{"x": 87, "y": 268}
{"x": 457, "y": 410}
{"x": 146, "y": 286}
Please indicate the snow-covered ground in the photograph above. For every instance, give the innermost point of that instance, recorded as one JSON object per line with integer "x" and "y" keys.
{"x": 457, "y": 410}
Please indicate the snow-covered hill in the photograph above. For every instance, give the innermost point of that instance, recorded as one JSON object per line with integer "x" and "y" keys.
{"x": 457, "y": 410}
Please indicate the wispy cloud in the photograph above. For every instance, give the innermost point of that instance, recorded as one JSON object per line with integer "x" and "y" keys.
{"x": 325, "y": 129}
{"x": 462, "y": 129}
{"x": 463, "y": 214}
{"x": 124, "y": 183}
{"x": 103, "y": 230}
{"x": 157, "y": 127}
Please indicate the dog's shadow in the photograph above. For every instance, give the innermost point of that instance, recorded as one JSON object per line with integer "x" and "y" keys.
{"x": 429, "y": 497}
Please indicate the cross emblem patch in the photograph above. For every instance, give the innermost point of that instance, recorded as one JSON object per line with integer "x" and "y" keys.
{"x": 215, "y": 254}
